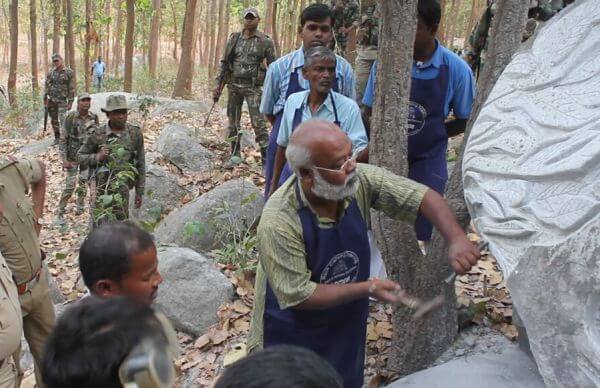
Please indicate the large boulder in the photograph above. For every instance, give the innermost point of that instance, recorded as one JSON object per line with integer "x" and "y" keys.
{"x": 178, "y": 145}
{"x": 162, "y": 195}
{"x": 511, "y": 368}
{"x": 36, "y": 148}
{"x": 207, "y": 222}
{"x": 532, "y": 185}
{"x": 186, "y": 106}
{"x": 192, "y": 289}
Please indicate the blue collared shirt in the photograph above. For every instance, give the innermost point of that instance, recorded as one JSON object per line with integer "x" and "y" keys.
{"x": 461, "y": 85}
{"x": 278, "y": 78}
{"x": 347, "y": 110}
{"x": 99, "y": 68}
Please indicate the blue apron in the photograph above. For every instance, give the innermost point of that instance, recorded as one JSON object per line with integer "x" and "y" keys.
{"x": 286, "y": 172}
{"x": 293, "y": 87}
{"x": 337, "y": 255}
{"x": 427, "y": 139}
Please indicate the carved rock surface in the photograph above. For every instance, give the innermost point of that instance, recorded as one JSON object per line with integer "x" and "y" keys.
{"x": 532, "y": 183}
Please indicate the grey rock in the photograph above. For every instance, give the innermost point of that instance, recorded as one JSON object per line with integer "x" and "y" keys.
{"x": 248, "y": 139}
{"x": 186, "y": 106}
{"x": 192, "y": 289}
{"x": 469, "y": 341}
{"x": 509, "y": 369}
{"x": 531, "y": 181}
{"x": 178, "y": 145}
{"x": 201, "y": 223}
{"x": 36, "y": 148}
{"x": 35, "y": 123}
{"x": 460, "y": 352}
{"x": 162, "y": 195}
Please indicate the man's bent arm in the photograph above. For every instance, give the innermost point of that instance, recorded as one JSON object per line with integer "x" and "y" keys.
{"x": 455, "y": 127}
{"x": 277, "y": 167}
{"x": 330, "y": 295}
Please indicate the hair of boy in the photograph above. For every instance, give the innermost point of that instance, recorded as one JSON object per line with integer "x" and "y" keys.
{"x": 315, "y": 13}
{"x": 281, "y": 366}
{"x": 429, "y": 12}
{"x": 107, "y": 252}
{"x": 92, "y": 339}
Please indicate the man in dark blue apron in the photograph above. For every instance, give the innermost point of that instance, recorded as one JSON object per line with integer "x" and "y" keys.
{"x": 441, "y": 81}
{"x": 312, "y": 283}
{"x": 284, "y": 76}
{"x": 320, "y": 102}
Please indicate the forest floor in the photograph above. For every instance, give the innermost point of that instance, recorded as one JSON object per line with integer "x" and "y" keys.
{"x": 482, "y": 291}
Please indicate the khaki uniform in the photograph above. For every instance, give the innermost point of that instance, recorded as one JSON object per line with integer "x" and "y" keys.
{"x": 111, "y": 199}
{"x": 76, "y": 130}
{"x": 243, "y": 68}
{"x": 366, "y": 52}
{"x": 11, "y": 326}
{"x": 345, "y": 15}
{"x": 21, "y": 248}
{"x": 60, "y": 91}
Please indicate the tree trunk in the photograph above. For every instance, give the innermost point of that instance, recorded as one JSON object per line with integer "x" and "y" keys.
{"x": 34, "y": 42}
{"x": 153, "y": 45}
{"x": 44, "y": 37}
{"x": 219, "y": 48}
{"x": 212, "y": 38}
{"x": 86, "y": 53}
{"x": 13, "y": 10}
{"x": 274, "y": 35}
{"x": 106, "y": 40}
{"x": 56, "y": 27}
{"x": 388, "y": 140}
{"x": 269, "y": 17}
{"x": 185, "y": 74}
{"x": 298, "y": 39}
{"x": 117, "y": 38}
{"x": 129, "y": 30}
{"x": 417, "y": 344}
{"x": 442, "y": 27}
{"x": 174, "y": 30}
{"x": 71, "y": 40}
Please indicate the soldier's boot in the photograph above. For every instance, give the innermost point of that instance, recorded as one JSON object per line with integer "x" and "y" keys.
{"x": 56, "y": 137}
{"x": 236, "y": 157}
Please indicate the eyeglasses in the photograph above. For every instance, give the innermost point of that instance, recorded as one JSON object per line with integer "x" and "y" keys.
{"x": 343, "y": 167}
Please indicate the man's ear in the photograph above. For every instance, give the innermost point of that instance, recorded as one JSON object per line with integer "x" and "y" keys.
{"x": 306, "y": 176}
{"x": 106, "y": 288}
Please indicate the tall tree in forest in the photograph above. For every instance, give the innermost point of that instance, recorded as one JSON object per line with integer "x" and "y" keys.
{"x": 117, "y": 37}
{"x": 415, "y": 345}
{"x": 129, "y": 30}
{"x": 13, "y": 11}
{"x": 185, "y": 74}
{"x": 175, "y": 23}
{"x": 106, "y": 38}
{"x": 212, "y": 38}
{"x": 388, "y": 140}
{"x": 44, "y": 37}
{"x": 274, "y": 34}
{"x": 153, "y": 46}
{"x": 33, "y": 47}
{"x": 56, "y": 26}
{"x": 70, "y": 39}
{"x": 220, "y": 36}
{"x": 268, "y": 23}
{"x": 86, "y": 53}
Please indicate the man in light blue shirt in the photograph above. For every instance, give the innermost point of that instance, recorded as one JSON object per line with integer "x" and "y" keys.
{"x": 320, "y": 102}
{"x": 441, "y": 82}
{"x": 284, "y": 76}
{"x": 98, "y": 69}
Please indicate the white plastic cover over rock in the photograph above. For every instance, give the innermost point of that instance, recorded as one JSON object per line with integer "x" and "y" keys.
{"x": 532, "y": 184}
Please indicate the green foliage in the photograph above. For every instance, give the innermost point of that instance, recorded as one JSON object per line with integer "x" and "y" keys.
{"x": 193, "y": 229}
{"x": 27, "y": 105}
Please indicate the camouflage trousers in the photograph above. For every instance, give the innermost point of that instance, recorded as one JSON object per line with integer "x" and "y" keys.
{"x": 57, "y": 113}
{"x": 115, "y": 211}
{"x": 365, "y": 57}
{"x": 237, "y": 93}
{"x": 75, "y": 178}
{"x": 341, "y": 43}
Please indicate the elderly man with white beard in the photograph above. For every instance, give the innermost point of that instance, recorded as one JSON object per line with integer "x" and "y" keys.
{"x": 312, "y": 283}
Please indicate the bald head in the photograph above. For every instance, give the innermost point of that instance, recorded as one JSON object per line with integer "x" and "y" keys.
{"x": 316, "y": 142}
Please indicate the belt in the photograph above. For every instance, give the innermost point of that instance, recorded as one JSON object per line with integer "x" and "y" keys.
{"x": 28, "y": 285}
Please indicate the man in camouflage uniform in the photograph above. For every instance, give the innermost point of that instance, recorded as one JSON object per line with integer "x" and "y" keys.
{"x": 20, "y": 227}
{"x": 539, "y": 10}
{"x": 115, "y": 153}
{"x": 76, "y": 126}
{"x": 243, "y": 68}
{"x": 60, "y": 92}
{"x": 366, "y": 53}
{"x": 345, "y": 18}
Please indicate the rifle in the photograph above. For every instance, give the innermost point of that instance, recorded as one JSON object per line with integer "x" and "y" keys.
{"x": 45, "y": 119}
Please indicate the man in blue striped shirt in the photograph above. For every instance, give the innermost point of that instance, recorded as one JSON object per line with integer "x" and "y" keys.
{"x": 284, "y": 76}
